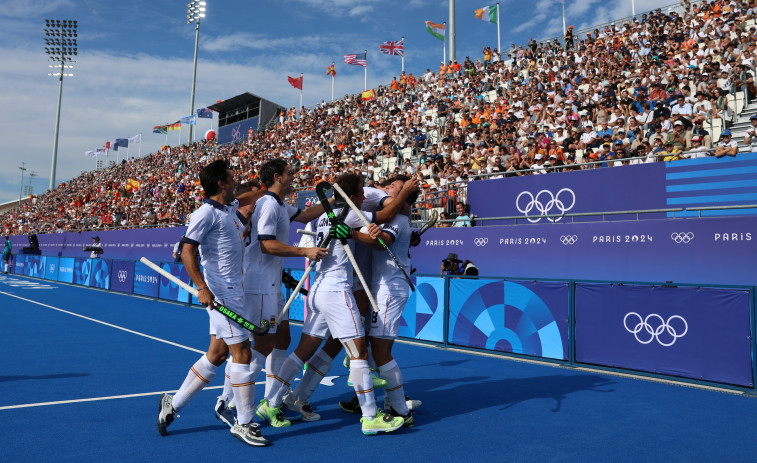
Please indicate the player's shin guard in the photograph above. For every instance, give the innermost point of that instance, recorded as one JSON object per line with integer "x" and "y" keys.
{"x": 227, "y": 394}
{"x": 363, "y": 384}
{"x": 288, "y": 371}
{"x": 394, "y": 387}
{"x": 318, "y": 367}
{"x": 201, "y": 373}
{"x": 272, "y": 365}
{"x": 243, "y": 382}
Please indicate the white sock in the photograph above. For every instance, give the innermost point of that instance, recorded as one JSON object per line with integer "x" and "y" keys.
{"x": 257, "y": 362}
{"x": 394, "y": 389}
{"x": 272, "y": 365}
{"x": 288, "y": 371}
{"x": 363, "y": 384}
{"x": 318, "y": 367}
{"x": 201, "y": 373}
{"x": 243, "y": 382}
{"x": 227, "y": 393}
{"x": 6, "y": 268}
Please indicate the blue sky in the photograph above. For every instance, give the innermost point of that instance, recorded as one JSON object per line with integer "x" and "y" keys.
{"x": 134, "y": 68}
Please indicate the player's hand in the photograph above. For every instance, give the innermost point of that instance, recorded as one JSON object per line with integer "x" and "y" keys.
{"x": 340, "y": 232}
{"x": 411, "y": 184}
{"x": 206, "y": 297}
{"x": 316, "y": 253}
{"x": 415, "y": 238}
{"x": 374, "y": 230}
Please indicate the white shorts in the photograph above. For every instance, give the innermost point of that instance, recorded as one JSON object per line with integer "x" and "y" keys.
{"x": 315, "y": 323}
{"x": 223, "y": 328}
{"x": 265, "y": 307}
{"x": 339, "y": 310}
{"x": 386, "y": 322}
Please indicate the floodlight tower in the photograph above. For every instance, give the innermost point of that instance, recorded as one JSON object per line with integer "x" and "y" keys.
{"x": 60, "y": 47}
{"x": 195, "y": 12}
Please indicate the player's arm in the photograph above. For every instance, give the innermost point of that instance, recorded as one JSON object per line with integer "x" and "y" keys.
{"x": 204, "y": 295}
{"x": 250, "y": 198}
{"x": 277, "y": 248}
{"x": 394, "y": 206}
{"x": 312, "y": 212}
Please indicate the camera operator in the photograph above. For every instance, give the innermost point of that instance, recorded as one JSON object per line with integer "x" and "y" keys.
{"x": 96, "y": 248}
{"x": 452, "y": 265}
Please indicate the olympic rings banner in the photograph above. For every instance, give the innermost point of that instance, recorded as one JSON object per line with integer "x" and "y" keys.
{"x": 698, "y": 333}
{"x": 521, "y": 317}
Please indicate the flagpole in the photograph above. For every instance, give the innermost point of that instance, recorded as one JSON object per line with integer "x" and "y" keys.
{"x": 333, "y": 76}
{"x": 106, "y": 157}
{"x": 499, "y": 43}
{"x": 365, "y": 69}
{"x": 563, "y": 18}
{"x": 302, "y": 81}
{"x": 403, "y": 53}
{"x": 140, "y": 144}
{"x": 166, "y": 143}
{"x": 444, "y": 48}
{"x": 128, "y": 148}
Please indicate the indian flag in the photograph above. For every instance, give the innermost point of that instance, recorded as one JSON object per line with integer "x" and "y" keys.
{"x": 487, "y": 13}
{"x": 437, "y": 30}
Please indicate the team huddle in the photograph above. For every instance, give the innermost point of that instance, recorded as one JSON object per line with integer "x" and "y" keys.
{"x": 242, "y": 242}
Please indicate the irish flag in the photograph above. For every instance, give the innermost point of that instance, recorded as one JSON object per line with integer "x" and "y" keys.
{"x": 437, "y": 30}
{"x": 487, "y": 13}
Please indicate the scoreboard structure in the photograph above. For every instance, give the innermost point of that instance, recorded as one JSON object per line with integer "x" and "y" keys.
{"x": 242, "y": 113}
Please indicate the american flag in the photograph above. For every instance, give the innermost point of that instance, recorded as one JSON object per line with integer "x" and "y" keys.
{"x": 358, "y": 59}
{"x": 393, "y": 48}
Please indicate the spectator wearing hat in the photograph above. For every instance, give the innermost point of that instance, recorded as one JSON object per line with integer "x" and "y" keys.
{"x": 680, "y": 137}
{"x": 726, "y": 145}
{"x": 750, "y": 138}
{"x": 96, "y": 248}
{"x": 699, "y": 130}
{"x": 698, "y": 150}
{"x": 569, "y": 38}
{"x": 451, "y": 265}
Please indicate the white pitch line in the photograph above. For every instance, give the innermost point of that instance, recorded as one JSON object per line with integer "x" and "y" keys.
{"x": 105, "y": 323}
{"x": 95, "y": 399}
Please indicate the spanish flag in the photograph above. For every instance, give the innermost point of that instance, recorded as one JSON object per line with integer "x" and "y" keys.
{"x": 132, "y": 184}
{"x": 330, "y": 71}
{"x": 368, "y": 95}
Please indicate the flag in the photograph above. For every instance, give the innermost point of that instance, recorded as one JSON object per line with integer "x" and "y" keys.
{"x": 122, "y": 142}
{"x": 189, "y": 120}
{"x": 175, "y": 126}
{"x": 437, "y": 30}
{"x": 368, "y": 95}
{"x": 114, "y": 145}
{"x": 393, "y": 48}
{"x": 132, "y": 184}
{"x": 359, "y": 59}
{"x": 487, "y": 13}
{"x": 136, "y": 138}
{"x": 100, "y": 152}
{"x": 330, "y": 71}
{"x": 159, "y": 129}
{"x": 90, "y": 154}
{"x": 296, "y": 83}
{"x": 205, "y": 113}
{"x": 107, "y": 145}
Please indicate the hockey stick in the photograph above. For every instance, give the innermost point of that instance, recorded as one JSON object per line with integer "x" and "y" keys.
{"x": 359, "y": 213}
{"x": 289, "y": 280}
{"x": 334, "y": 221}
{"x": 302, "y": 231}
{"x": 225, "y": 311}
{"x": 324, "y": 242}
{"x": 431, "y": 222}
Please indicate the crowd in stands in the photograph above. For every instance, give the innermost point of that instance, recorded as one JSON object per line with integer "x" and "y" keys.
{"x": 649, "y": 89}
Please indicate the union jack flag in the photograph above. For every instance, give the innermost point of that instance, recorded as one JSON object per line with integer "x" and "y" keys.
{"x": 358, "y": 59}
{"x": 393, "y": 48}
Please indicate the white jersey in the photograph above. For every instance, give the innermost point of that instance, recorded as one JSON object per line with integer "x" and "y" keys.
{"x": 334, "y": 271}
{"x": 386, "y": 275}
{"x": 217, "y": 231}
{"x": 374, "y": 201}
{"x": 270, "y": 221}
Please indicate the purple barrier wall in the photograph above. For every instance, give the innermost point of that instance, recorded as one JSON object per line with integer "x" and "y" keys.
{"x": 707, "y": 250}
{"x": 697, "y": 333}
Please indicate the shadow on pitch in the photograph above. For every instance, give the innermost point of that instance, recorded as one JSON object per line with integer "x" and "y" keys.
{"x": 41, "y": 377}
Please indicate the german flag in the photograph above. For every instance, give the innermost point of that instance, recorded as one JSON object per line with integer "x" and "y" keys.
{"x": 175, "y": 126}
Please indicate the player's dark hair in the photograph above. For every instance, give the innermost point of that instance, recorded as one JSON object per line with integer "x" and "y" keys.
{"x": 413, "y": 196}
{"x": 248, "y": 186}
{"x": 350, "y": 183}
{"x": 270, "y": 168}
{"x": 400, "y": 177}
{"x": 211, "y": 174}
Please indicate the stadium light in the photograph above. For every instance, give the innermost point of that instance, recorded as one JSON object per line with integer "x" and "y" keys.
{"x": 60, "y": 47}
{"x": 22, "y": 168}
{"x": 195, "y": 12}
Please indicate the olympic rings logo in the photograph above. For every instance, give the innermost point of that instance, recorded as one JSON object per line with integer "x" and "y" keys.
{"x": 122, "y": 275}
{"x": 544, "y": 203}
{"x": 568, "y": 240}
{"x": 654, "y": 333}
{"x": 480, "y": 241}
{"x": 52, "y": 268}
{"x": 684, "y": 238}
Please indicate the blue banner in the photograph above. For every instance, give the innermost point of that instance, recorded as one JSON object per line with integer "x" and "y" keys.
{"x": 423, "y": 316}
{"x": 528, "y": 318}
{"x": 82, "y": 271}
{"x": 698, "y": 333}
{"x": 237, "y": 132}
{"x": 122, "y": 276}
{"x": 51, "y": 268}
{"x": 699, "y": 251}
{"x": 146, "y": 280}
{"x": 100, "y": 274}
{"x": 34, "y": 266}
{"x": 66, "y": 270}
{"x": 170, "y": 290}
